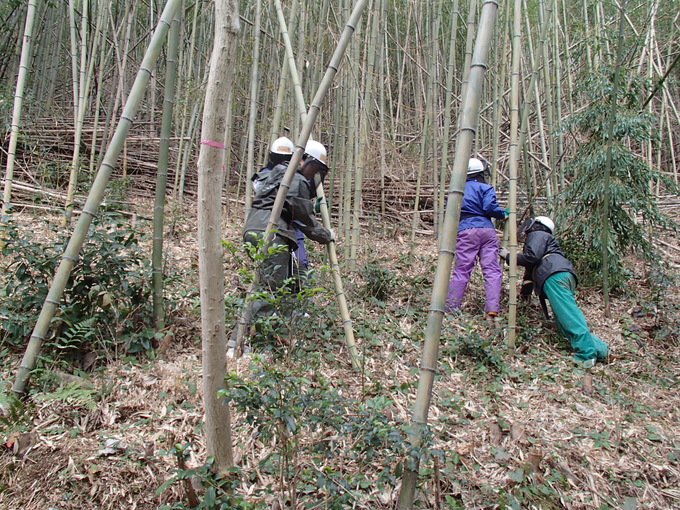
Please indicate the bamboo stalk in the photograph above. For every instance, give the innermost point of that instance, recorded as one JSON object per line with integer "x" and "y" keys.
{"x": 250, "y": 158}
{"x": 162, "y": 175}
{"x": 41, "y": 329}
{"x": 312, "y": 114}
{"x": 18, "y": 104}
{"x": 428, "y": 366}
{"x": 447, "y": 113}
{"x": 608, "y": 165}
{"x": 514, "y": 164}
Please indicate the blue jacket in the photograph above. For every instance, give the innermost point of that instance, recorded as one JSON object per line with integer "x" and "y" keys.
{"x": 479, "y": 206}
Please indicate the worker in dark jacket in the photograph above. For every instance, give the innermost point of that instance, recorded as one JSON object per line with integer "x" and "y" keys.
{"x": 298, "y": 212}
{"x": 280, "y": 152}
{"x": 551, "y": 275}
{"x": 476, "y": 238}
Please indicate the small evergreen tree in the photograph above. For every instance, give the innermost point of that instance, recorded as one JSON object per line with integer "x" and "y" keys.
{"x": 633, "y": 210}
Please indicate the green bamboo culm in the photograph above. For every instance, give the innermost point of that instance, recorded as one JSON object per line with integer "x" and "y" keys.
{"x": 468, "y": 128}
{"x": 513, "y": 172}
{"x": 325, "y": 214}
{"x": 252, "y": 116}
{"x": 162, "y": 175}
{"x": 608, "y": 165}
{"x": 18, "y": 103}
{"x": 39, "y": 334}
{"x": 324, "y": 86}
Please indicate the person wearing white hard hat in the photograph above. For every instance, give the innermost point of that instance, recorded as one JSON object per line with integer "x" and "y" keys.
{"x": 476, "y": 239}
{"x": 315, "y": 156}
{"x": 280, "y": 151}
{"x": 297, "y": 213}
{"x": 551, "y": 275}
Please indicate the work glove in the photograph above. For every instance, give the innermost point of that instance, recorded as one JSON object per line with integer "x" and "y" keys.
{"x": 506, "y": 211}
{"x": 332, "y": 235}
{"x": 504, "y": 254}
{"x": 317, "y": 204}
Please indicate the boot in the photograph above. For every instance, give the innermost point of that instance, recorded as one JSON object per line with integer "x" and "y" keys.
{"x": 493, "y": 319}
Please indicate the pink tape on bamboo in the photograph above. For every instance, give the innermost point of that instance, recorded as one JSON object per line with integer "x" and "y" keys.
{"x": 213, "y": 143}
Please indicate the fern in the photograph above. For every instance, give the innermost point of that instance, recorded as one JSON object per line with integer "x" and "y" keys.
{"x": 76, "y": 335}
{"x": 73, "y": 393}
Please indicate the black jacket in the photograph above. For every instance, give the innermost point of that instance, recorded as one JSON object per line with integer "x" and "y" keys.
{"x": 298, "y": 207}
{"x": 542, "y": 257}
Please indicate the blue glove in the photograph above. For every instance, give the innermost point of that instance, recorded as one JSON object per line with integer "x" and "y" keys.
{"x": 506, "y": 211}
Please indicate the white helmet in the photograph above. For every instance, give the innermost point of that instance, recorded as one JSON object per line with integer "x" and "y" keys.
{"x": 475, "y": 166}
{"x": 283, "y": 146}
{"x": 317, "y": 151}
{"x": 546, "y": 222}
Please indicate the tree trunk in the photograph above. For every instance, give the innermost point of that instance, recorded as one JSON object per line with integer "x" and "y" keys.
{"x": 210, "y": 253}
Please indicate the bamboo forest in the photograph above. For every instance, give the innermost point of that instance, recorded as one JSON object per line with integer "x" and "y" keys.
{"x": 351, "y": 254}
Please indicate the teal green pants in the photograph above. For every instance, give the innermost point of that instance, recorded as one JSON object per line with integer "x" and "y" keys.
{"x": 559, "y": 289}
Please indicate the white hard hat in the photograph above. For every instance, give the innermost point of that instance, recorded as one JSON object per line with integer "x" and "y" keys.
{"x": 317, "y": 151}
{"x": 547, "y": 222}
{"x": 283, "y": 146}
{"x": 475, "y": 166}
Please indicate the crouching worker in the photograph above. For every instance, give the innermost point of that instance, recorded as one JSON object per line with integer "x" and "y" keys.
{"x": 297, "y": 212}
{"x": 551, "y": 275}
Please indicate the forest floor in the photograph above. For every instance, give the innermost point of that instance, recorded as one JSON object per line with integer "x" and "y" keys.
{"x": 308, "y": 431}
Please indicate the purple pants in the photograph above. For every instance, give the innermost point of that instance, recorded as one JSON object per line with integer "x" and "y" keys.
{"x": 470, "y": 244}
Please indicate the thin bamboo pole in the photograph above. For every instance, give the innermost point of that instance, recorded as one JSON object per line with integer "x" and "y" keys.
{"x": 498, "y": 95}
{"x": 325, "y": 217}
{"x": 188, "y": 73}
{"x": 428, "y": 366}
{"x": 381, "y": 106}
{"x": 79, "y": 112}
{"x": 94, "y": 199}
{"x": 546, "y": 17}
{"x": 254, "y": 71}
{"x": 18, "y": 104}
{"x": 363, "y": 141}
{"x": 426, "y": 136}
{"x": 448, "y": 101}
{"x": 292, "y": 68}
{"x": 469, "y": 41}
{"x": 513, "y": 172}
{"x": 608, "y": 164}
{"x": 162, "y": 176}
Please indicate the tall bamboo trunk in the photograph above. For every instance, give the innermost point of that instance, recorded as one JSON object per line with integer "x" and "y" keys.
{"x": 448, "y": 102}
{"x": 41, "y": 329}
{"x": 302, "y": 139}
{"x": 513, "y": 172}
{"x": 18, "y": 103}
{"x": 162, "y": 176}
{"x": 608, "y": 166}
{"x": 468, "y": 126}
{"x": 254, "y": 72}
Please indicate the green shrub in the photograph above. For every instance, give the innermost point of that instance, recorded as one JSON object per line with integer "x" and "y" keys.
{"x": 106, "y": 302}
{"x": 624, "y": 177}
{"x": 379, "y": 281}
